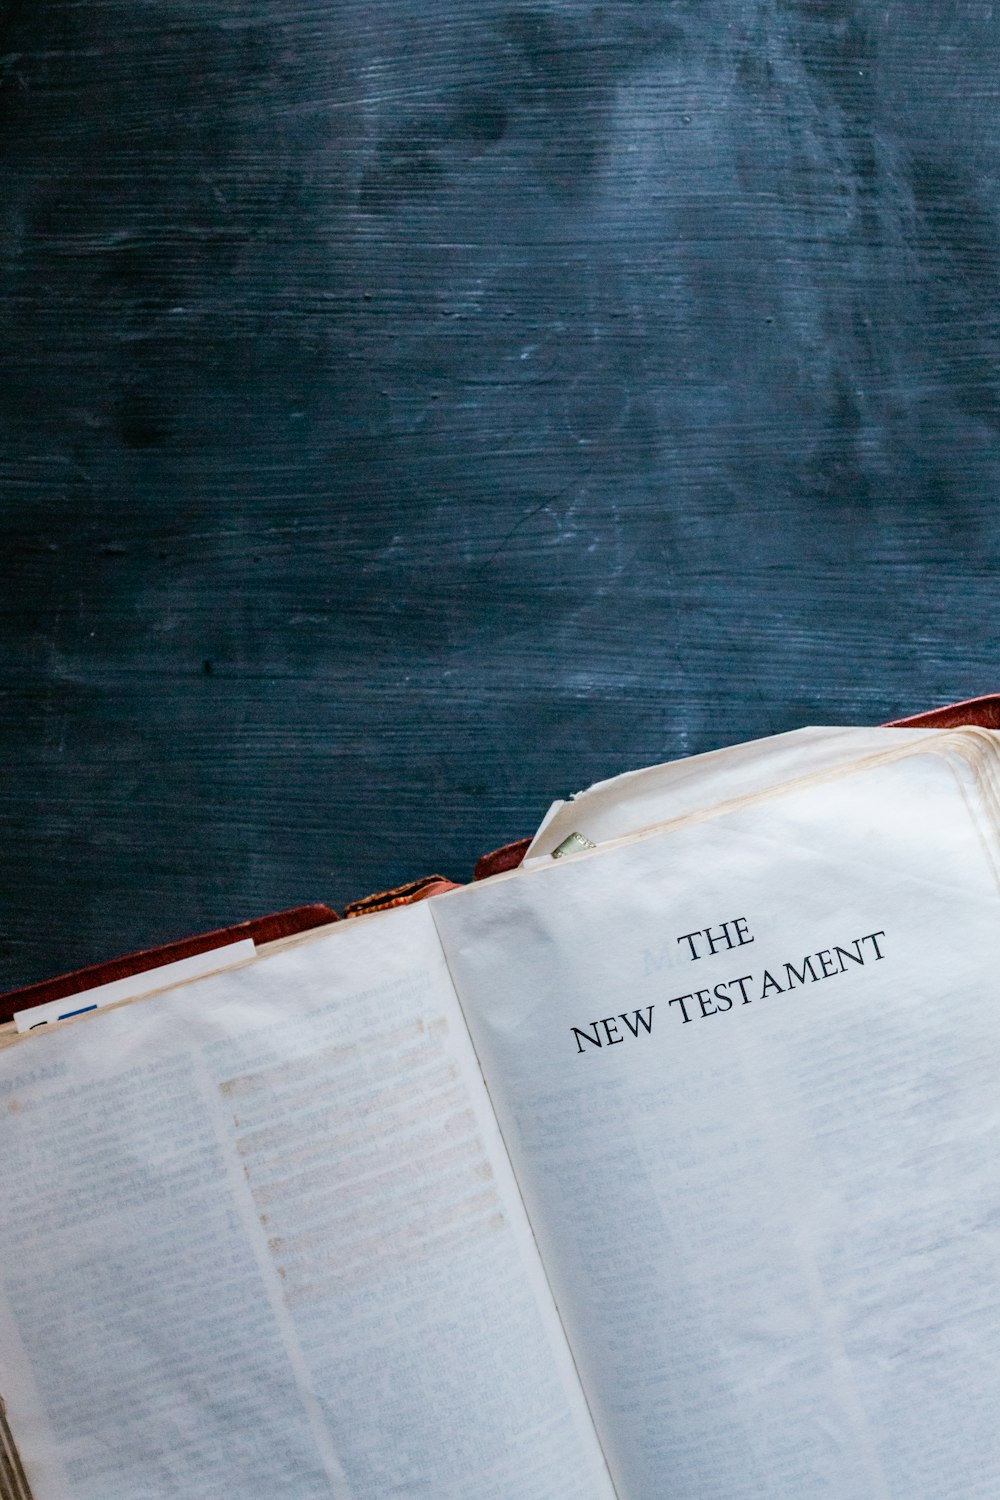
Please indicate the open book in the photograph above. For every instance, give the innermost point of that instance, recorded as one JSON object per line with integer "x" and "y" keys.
{"x": 664, "y": 1170}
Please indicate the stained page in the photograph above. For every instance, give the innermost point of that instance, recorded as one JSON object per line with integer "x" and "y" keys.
{"x": 747, "y": 1073}
{"x": 260, "y": 1238}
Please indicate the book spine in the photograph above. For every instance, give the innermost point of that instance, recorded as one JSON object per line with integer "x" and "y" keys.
{"x": 13, "y": 1480}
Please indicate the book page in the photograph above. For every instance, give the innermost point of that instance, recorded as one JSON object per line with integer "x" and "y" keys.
{"x": 747, "y": 1074}
{"x": 260, "y": 1238}
{"x": 639, "y": 800}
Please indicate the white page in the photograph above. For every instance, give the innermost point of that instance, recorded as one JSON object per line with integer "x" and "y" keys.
{"x": 260, "y": 1239}
{"x": 136, "y": 986}
{"x": 773, "y": 1229}
{"x": 637, "y": 800}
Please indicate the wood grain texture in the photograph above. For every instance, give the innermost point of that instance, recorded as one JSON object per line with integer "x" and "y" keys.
{"x": 412, "y": 412}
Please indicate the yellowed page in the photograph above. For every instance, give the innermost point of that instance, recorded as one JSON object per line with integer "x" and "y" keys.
{"x": 642, "y": 799}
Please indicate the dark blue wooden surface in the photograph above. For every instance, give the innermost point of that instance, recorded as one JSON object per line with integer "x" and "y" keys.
{"x": 413, "y": 411}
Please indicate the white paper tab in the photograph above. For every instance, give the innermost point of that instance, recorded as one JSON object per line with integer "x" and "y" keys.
{"x": 133, "y": 986}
